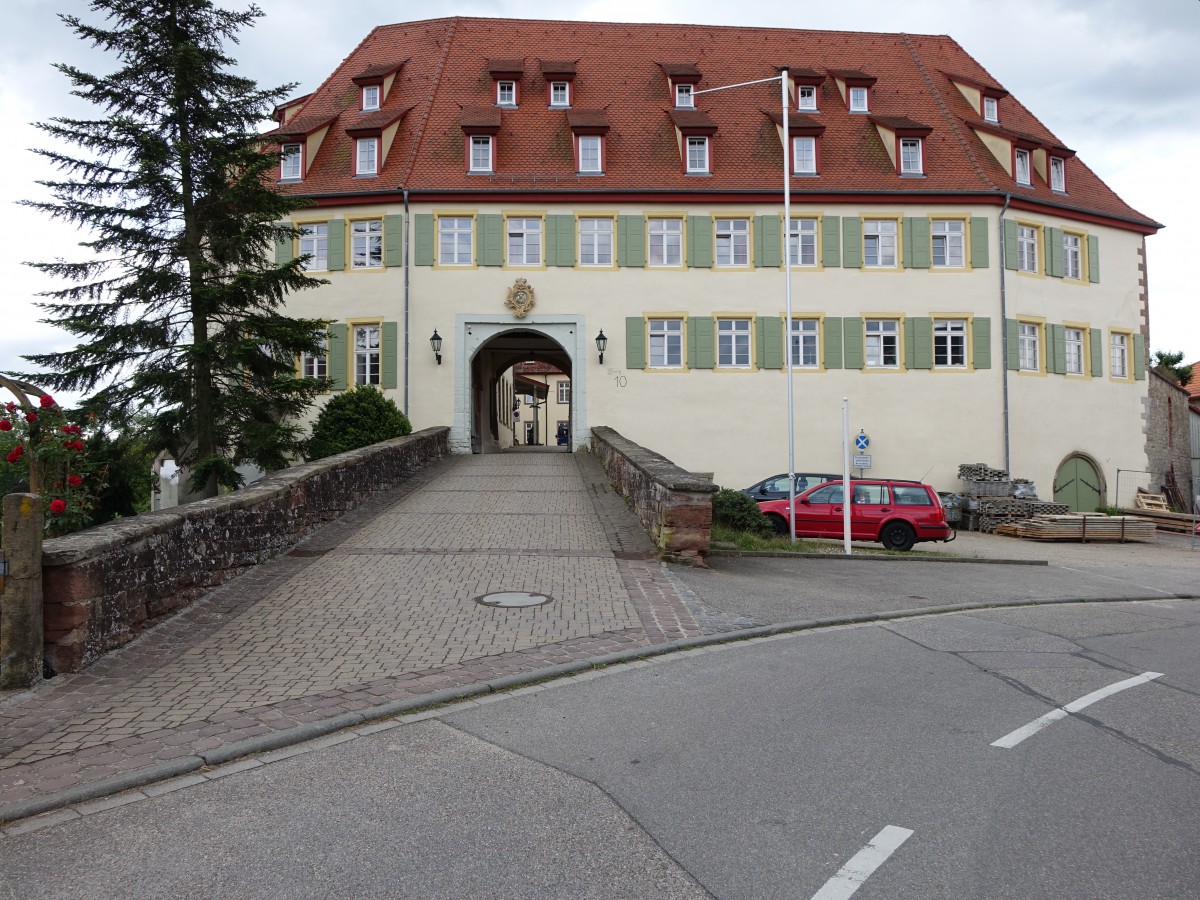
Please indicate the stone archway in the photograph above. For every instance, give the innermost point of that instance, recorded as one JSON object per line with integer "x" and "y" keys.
{"x": 491, "y": 346}
{"x": 1079, "y": 484}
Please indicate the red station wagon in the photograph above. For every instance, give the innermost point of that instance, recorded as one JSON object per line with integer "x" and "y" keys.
{"x": 897, "y": 514}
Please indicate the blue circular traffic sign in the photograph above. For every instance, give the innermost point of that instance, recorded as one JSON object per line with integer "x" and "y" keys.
{"x": 862, "y": 442}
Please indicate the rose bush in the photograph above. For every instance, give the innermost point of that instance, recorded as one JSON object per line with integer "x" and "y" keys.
{"x": 48, "y": 444}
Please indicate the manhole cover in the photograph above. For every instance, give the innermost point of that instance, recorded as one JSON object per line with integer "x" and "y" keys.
{"x": 512, "y": 599}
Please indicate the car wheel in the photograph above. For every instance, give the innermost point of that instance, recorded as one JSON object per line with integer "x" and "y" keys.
{"x": 897, "y": 536}
{"x": 778, "y": 524}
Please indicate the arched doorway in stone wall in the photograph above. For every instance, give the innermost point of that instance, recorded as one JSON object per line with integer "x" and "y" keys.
{"x": 485, "y": 380}
{"x": 1079, "y": 484}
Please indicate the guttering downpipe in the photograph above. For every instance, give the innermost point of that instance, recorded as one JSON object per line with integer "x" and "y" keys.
{"x": 406, "y": 367}
{"x": 1004, "y": 334}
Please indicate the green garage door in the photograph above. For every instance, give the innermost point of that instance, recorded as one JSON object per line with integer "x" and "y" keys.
{"x": 1078, "y": 485}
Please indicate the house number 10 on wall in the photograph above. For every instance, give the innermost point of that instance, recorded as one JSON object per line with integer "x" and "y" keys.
{"x": 618, "y": 378}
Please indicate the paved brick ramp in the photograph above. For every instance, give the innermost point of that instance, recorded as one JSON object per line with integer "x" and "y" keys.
{"x": 376, "y": 607}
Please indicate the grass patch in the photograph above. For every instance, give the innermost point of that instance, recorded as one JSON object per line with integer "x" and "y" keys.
{"x": 726, "y": 538}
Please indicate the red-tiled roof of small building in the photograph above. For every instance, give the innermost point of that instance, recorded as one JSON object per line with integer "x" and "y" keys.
{"x": 692, "y": 120}
{"x": 797, "y": 122}
{"x": 301, "y": 126}
{"x": 852, "y": 75}
{"x": 480, "y": 117}
{"x": 587, "y": 118}
{"x": 620, "y": 67}
{"x": 506, "y": 66}
{"x": 558, "y": 66}
{"x": 902, "y": 123}
{"x": 377, "y": 73}
{"x": 1193, "y": 386}
{"x": 376, "y": 121}
{"x": 992, "y": 90}
{"x": 680, "y": 70}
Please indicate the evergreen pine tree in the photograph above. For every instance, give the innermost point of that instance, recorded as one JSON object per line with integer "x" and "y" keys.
{"x": 177, "y": 310}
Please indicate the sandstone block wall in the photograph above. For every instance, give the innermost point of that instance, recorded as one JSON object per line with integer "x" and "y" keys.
{"x": 674, "y": 506}
{"x": 104, "y": 586}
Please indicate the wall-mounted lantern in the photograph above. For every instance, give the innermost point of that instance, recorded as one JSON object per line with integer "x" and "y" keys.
{"x": 601, "y": 344}
{"x": 436, "y": 343}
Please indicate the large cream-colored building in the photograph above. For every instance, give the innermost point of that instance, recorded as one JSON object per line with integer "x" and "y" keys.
{"x": 519, "y": 187}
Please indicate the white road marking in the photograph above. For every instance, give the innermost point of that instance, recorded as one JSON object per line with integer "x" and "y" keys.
{"x": 1013, "y": 738}
{"x": 851, "y": 876}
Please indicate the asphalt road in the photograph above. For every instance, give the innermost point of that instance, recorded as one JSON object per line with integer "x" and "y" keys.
{"x": 758, "y": 769}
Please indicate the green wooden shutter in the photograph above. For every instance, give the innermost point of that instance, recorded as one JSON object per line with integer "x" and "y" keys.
{"x": 916, "y": 242}
{"x": 1054, "y": 252}
{"x": 635, "y": 342}
{"x": 1139, "y": 356}
{"x": 283, "y": 246}
{"x": 979, "y": 242}
{"x": 1010, "y": 244}
{"x": 393, "y": 240}
{"x": 560, "y": 240}
{"x": 768, "y": 236}
{"x": 1012, "y": 346}
{"x": 1093, "y": 259}
{"x": 852, "y": 341}
{"x": 831, "y": 245}
{"x": 699, "y": 242}
{"x": 1056, "y": 349}
{"x": 833, "y": 342}
{"x": 701, "y": 343}
{"x": 918, "y": 334}
{"x": 389, "y": 351}
{"x": 424, "y": 250}
{"x": 337, "y": 245}
{"x": 489, "y": 241}
{"x": 1096, "y": 339}
{"x": 769, "y": 342}
{"x": 981, "y": 343}
{"x": 337, "y": 355}
{"x": 851, "y": 243}
{"x": 631, "y": 241}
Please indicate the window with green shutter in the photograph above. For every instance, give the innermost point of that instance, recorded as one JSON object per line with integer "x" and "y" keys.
{"x": 490, "y": 240}
{"x": 1054, "y": 252}
{"x": 1010, "y": 244}
{"x": 918, "y": 342}
{"x": 851, "y": 243}
{"x": 1093, "y": 243}
{"x": 631, "y": 241}
{"x": 1096, "y": 340}
{"x": 1012, "y": 346}
{"x": 425, "y": 248}
{"x": 979, "y": 242}
{"x": 283, "y": 245}
{"x": 337, "y": 355}
{"x": 393, "y": 240}
{"x": 1056, "y": 349}
{"x": 768, "y": 340}
{"x": 701, "y": 342}
{"x": 635, "y": 342}
{"x": 832, "y": 326}
{"x": 831, "y": 244}
{"x": 768, "y": 241}
{"x": 560, "y": 240}
{"x": 917, "y": 242}
{"x": 699, "y": 242}
{"x": 1139, "y": 356}
{"x": 337, "y": 245}
{"x": 981, "y": 343}
{"x": 389, "y": 352}
{"x": 852, "y": 342}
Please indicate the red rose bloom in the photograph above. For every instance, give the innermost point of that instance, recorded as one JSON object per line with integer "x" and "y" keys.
{"x": 74, "y": 480}
{"x": 47, "y": 401}
{"x": 15, "y": 454}
{"x": 5, "y": 425}
{"x": 10, "y": 406}
{"x": 58, "y": 507}
{"x": 31, "y": 417}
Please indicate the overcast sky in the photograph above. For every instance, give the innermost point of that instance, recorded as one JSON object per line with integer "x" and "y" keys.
{"x": 1113, "y": 79}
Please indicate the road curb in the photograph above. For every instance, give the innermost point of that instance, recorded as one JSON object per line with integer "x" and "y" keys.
{"x": 138, "y": 778}
{"x": 877, "y": 557}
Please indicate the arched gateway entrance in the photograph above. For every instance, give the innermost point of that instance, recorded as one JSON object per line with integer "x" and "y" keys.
{"x": 490, "y": 348}
{"x": 1078, "y": 484}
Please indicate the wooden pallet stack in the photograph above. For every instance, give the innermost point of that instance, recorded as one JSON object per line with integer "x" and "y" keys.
{"x": 996, "y": 511}
{"x": 1154, "y": 507}
{"x": 1084, "y": 528}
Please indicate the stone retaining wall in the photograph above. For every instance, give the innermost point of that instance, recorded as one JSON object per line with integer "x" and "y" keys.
{"x": 104, "y": 586}
{"x": 674, "y": 506}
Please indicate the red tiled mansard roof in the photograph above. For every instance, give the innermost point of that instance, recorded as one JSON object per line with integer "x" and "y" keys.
{"x": 445, "y": 79}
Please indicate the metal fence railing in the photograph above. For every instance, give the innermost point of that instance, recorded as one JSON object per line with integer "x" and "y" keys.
{"x": 1184, "y": 499}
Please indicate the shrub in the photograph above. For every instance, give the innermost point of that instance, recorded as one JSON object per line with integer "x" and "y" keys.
{"x": 733, "y": 509}
{"x": 356, "y": 418}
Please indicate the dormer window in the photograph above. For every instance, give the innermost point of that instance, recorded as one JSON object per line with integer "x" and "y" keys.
{"x": 697, "y": 156}
{"x": 370, "y": 97}
{"x": 911, "y": 157}
{"x": 481, "y": 153}
{"x": 291, "y": 158}
{"x": 366, "y": 156}
{"x": 804, "y": 155}
{"x": 684, "y": 98}
{"x": 560, "y": 93}
{"x": 590, "y": 157}
{"x": 1021, "y": 166}
{"x": 858, "y": 100}
{"x": 506, "y": 93}
{"x": 806, "y": 97}
{"x": 991, "y": 109}
{"x": 1058, "y": 174}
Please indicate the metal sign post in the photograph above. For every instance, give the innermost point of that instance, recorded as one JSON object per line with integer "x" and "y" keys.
{"x": 846, "y": 474}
